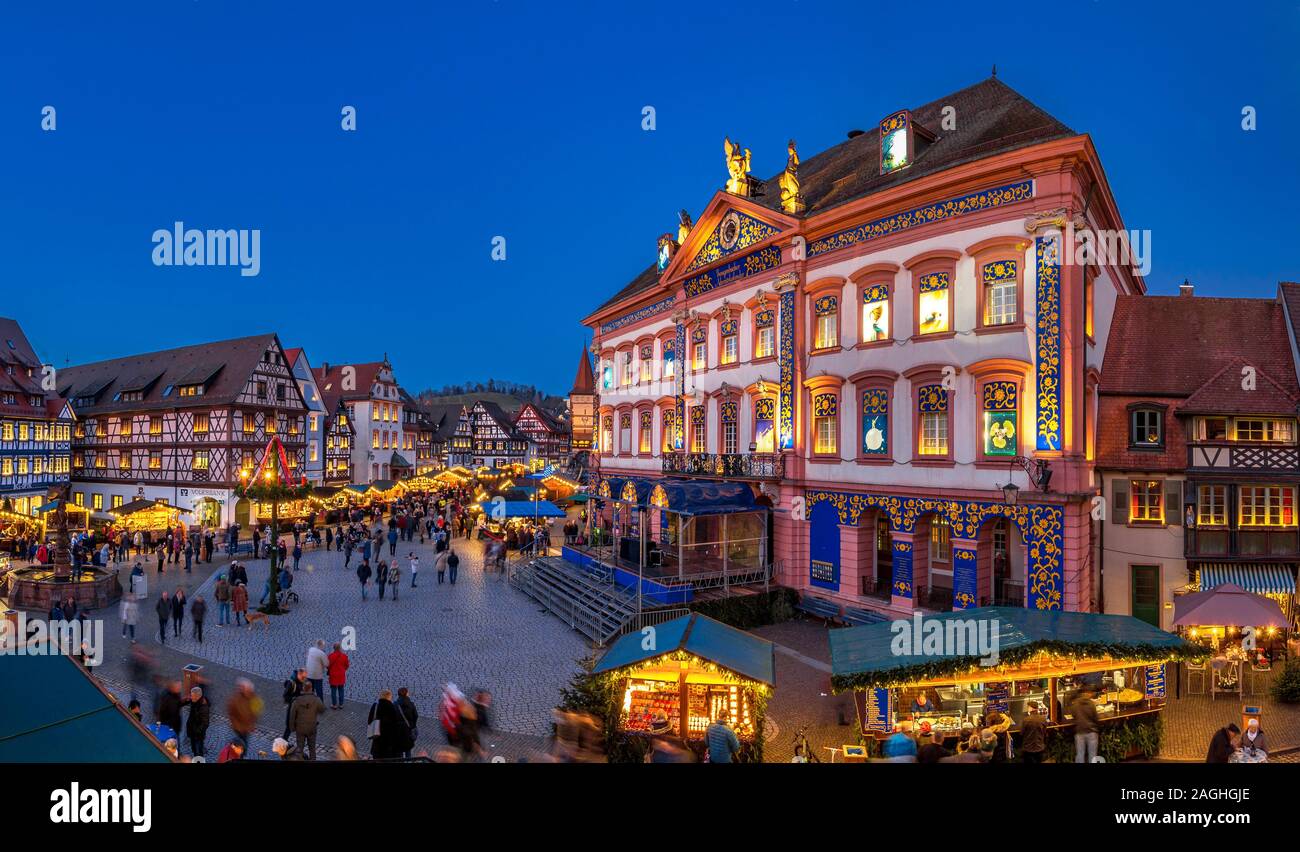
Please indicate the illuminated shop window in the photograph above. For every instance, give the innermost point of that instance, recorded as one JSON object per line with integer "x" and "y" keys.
{"x": 1267, "y": 506}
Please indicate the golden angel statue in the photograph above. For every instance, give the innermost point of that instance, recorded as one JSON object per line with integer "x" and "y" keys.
{"x": 791, "y": 201}
{"x": 683, "y": 227}
{"x": 737, "y": 167}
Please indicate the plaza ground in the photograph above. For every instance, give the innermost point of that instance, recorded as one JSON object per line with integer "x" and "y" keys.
{"x": 482, "y": 633}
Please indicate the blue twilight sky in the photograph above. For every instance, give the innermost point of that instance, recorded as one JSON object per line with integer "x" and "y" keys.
{"x": 523, "y": 120}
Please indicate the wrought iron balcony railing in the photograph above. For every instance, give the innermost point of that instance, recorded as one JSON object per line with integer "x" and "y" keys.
{"x": 765, "y": 466}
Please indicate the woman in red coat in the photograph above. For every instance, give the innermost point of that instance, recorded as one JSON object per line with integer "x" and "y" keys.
{"x": 239, "y": 602}
{"x": 338, "y": 675}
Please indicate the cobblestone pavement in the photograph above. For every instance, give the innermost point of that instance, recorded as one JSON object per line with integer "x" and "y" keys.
{"x": 477, "y": 633}
{"x": 1190, "y": 720}
{"x": 802, "y": 697}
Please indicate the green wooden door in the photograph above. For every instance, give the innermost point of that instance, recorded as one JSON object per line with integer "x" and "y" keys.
{"x": 1146, "y": 593}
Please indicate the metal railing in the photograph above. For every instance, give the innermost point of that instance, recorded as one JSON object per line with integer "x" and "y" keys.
{"x": 651, "y": 617}
{"x": 766, "y": 466}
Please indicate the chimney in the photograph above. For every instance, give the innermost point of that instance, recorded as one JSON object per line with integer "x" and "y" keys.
{"x": 854, "y": 134}
{"x": 325, "y": 368}
{"x": 1186, "y": 289}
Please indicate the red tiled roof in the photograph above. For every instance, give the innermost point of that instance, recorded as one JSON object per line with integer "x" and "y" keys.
{"x": 1229, "y": 392}
{"x": 585, "y": 381}
{"x": 291, "y": 355}
{"x": 330, "y": 379}
{"x": 1113, "y": 450}
{"x": 1173, "y": 345}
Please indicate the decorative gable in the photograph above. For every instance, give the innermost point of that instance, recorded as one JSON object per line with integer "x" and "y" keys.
{"x": 735, "y": 231}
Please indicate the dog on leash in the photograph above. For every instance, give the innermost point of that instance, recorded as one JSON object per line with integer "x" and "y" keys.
{"x": 254, "y": 617}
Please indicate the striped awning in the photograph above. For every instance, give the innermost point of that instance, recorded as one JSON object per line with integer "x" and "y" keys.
{"x": 1262, "y": 579}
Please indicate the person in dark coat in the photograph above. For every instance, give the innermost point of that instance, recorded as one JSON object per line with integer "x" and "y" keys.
{"x": 169, "y": 706}
{"x": 196, "y": 726}
{"x": 293, "y": 687}
{"x": 394, "y": 734}
{"x": 381, "y": 577}
{"x": 198, "y": 609}
{"x": 412, "y": 716}
{"x": 164, "y": 610}
{"x": 178, "y": 611}
{"x": 1223, "y": 744}
{"x": 363, "y": 574}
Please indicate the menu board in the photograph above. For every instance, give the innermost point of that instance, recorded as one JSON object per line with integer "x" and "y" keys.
{"x": 995, "y": 698}
{"x": 876, "y": 714}
{"x": 1156, "y": 681}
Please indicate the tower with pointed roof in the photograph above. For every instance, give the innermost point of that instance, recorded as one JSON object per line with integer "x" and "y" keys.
{"x": 582, "y": 405}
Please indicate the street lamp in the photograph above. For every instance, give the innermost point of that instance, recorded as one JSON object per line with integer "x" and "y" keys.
{"x": 1038, "y": 471}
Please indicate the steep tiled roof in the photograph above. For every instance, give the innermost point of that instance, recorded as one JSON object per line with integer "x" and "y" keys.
{"x": 1229, "y": 392}
{"x": 585, "y": 381}
{"x": 1173, "y": 345}
{"x": 329, "y": 378}
{"x": 232, "y": 360}
{"x": 992, "y": 119}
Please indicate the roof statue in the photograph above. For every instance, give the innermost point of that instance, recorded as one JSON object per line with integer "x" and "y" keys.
{"x": 791, "y": 200}
{"x": 737, "y": 168}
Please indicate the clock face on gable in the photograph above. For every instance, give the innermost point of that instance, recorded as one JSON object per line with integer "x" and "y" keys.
{"x": 729, "y": 230}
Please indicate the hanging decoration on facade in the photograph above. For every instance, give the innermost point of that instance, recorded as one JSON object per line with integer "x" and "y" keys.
{"x": 1000, "y": 410}
{"x": 1048, "y": 343}
{"x": 786, "y": 357}
{"x": 875, "y": 422}
{"x": 667, "y": 248}
{"x": 273, "y": 478}
{"x": 792, "y": 201}
{"x": 735, "y": 231}
{"x": 738, "y": 179}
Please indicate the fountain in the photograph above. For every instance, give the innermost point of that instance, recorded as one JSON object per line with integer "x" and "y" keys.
{"x": 38, "y": 586}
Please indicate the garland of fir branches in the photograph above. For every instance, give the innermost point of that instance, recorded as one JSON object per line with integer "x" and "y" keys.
{"x": 939, "y": 668}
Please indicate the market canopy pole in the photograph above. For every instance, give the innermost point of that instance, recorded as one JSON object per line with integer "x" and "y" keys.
{"x": 272, "y": 482}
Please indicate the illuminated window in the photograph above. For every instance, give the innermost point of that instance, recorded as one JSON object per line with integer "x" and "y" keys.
{"x": 374, "y": 440}
{"x": 764, "y": 334}
{"x": 1000, "y": 292}
{"x": 7, "y": 432}
{"x": 644, "y": 435}
{"x": 124, "y": 461}
{"x": 826, "y": 428}
{"x": 22, "y": 432}
{"x": 155, "y": 459}
{"x": 607, "y": 375}
{"x": 699, "y": 436}
{"x": 1146, "y": 501}
{"x": 932, "y": 413}
{"x": 729, "y": 413}
{"x": 23, "y": 466}
{"x": 313, "y": 452}
{"x": 699, "y": 348}
{"x": 629, "y": 370}
{"x": 97, "y": 502}
{"x": 201, "y": 423}
{"x": 250, "y": 425}
{"x": 669, "y": 359}
{"x": 607, "y": 434}
{"x": 79, "y": 497}
{"x": 827, "y": 311}
{"x": 1273, "y": 431}
{"x": 200, "y": 461}
{"x": 1267, "y": 506}
{"x": 932, "y": 303}
{"x": 1146, "y": 427}
{"x": 940, "y": 539}
{"x": 875, "y": 313}
{"x": 272, "y": 424}
{"x": 1089, "y": 293}
{"x": 647, "y": 361}
{"x": 875, "y": 423}
{"x": 894, "y": 152}
{"x": 101, "y": 462}
{"x": 999, "y": 418}
{"x": 668, "y": 423}
{"x": 730, "y": 342}
{"x": 116, "y": 501}
{"x": 1212, "y": 506}
{"x": 38, "y": 465}
{"x": 764, "y": 421}
{"x": 625, "y": 433}
{"x": 127, "y": 428}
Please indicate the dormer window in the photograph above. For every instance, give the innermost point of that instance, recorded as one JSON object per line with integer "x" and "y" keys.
{"x": 895, "y": 142}
{"x": 1146, "y": 427}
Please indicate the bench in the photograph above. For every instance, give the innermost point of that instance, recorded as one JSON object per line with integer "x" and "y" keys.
{"x": 854, "y": 615}
{"x": 815, "y": 606}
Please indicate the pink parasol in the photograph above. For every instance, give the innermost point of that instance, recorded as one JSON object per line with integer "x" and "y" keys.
{"x": 1227, "y": 604}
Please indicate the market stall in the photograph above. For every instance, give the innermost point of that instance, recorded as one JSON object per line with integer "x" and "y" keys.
{"x": 17, "y": 529}
{"x": 1242, "y": 633}
{"x": 148, "y": 516}
{"x": 959, "y": 667}
{"x": 696, "y": 671}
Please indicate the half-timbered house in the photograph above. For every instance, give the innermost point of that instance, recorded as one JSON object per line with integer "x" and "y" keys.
{"x": 496, "y": 441}
{"x": 317, "y": 414}
{"x": 181, "y": 424}
{"x": 35, "y": 427}
{"x": 549, "y": 437}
